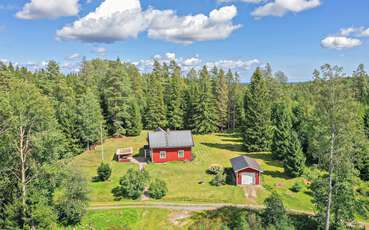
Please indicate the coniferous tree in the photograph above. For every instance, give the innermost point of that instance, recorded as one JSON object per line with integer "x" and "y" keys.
{"x": 191, "y": 98}
{"x": 117, "y": 92}
{"x": 281, "y": 119}
{"x": 175, "y": 101}
{"x": 135, "y": 124}
{"x": 361, "y": 84}
{"x": 205, "y": 119}
{"x": 257, "y": 128}
{"x": 366, "y": 123}
{"x": 222, "y": 99}
{"x": 294, "y": 159}
{"x": 155, "y": 115}
{"x": 89, "y": 118}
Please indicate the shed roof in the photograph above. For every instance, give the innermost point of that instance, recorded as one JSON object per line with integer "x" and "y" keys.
{"x": 170, "y": 139}
{"x": 243, "y": 162}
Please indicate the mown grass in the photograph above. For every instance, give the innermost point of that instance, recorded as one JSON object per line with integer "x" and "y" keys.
{"x": 130, "y": 218}
{"x": 183, "y": 178}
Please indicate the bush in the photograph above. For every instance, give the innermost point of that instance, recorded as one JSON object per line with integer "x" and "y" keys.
{"x": 158, "y": 189}
{"x": 274, "y": 212}
{"x": 132, "y": 184}
{"x": 103, "y": 172}
{"x": 297, "y": 187}
{"x": 215, "y": 169}
{"x": 218, "y": 180}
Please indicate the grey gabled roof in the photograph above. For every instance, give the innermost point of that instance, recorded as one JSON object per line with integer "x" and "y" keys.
{"x": 170, "y": 139}
{"x": 243, "y": 162}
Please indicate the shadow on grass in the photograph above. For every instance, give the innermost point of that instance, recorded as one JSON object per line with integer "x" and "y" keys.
{"x": 229, "y": 147}
{"x": 230, "y": 135}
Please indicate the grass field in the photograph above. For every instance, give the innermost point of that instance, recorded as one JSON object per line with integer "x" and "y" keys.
{"x": 183, "y": 178}
{"x": 132, "y": 219}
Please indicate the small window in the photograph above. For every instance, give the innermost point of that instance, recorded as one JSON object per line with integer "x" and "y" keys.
{"x": 180, "y": 153}
{"x": 163, "y": 154}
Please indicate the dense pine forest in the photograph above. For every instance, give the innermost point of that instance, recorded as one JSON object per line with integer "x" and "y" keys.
{"x": 47, "y": 117}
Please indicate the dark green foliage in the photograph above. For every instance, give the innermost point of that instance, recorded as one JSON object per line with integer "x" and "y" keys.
{"x": 132, "y": 184}
{"x": 297, "y": 187}
{"x": 366, "y": 123}
{"x": 89, "y": 118}
{"x": 257, "y": 123}
{"x": 274, "y": 212}
{"x": 71, "y": 199}
{"x": 294, "y": 161}
{"x": 281, "y": 119}
{"x": 205, "y": 118}
{"x": 222, "y": 98}
{"x": 361, "y": 84}
{"x": 134, "y": 127}
{"x": 158, "y": 189}
{"x": 103, "y": 171}
{"x": 175, "y": 99}
{"x": 218, "y": 180}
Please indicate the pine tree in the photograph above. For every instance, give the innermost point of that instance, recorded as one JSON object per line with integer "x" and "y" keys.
{"x": 294, "y": 160}
{"x": 205, "y": 120}
{"x": 361, "y": 84}
{"x": 222, "y": 100}
{"x": 282, "y": 125}
{"x": 257, "y": 128}
{"x": 366, "y": 123}
{"x": 175, "y": 103}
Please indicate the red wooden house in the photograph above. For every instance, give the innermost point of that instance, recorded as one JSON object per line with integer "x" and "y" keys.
{"x": 246, "y": 170}
{"x": 166, "y": 146}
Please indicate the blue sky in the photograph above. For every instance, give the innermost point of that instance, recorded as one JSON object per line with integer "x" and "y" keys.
{"x": 295, "y": 36}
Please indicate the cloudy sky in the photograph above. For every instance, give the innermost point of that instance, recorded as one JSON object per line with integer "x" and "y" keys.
{"x": 295, "y": 36}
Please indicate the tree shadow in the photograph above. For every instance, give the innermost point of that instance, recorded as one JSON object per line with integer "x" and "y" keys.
{"x": 230, "y": 135}
{"x": 229, "y": 147}
{"x": 233, "y": 140}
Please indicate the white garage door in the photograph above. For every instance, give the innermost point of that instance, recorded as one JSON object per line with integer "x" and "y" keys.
{"x": 248, "y": 178}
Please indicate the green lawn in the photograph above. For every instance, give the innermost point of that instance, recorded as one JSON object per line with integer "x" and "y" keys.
{"x": 120, "y": 219}
{"x": 183, "y": 177}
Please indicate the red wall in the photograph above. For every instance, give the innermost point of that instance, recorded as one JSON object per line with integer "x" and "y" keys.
{"x": 172, "y": 155}
{"x": 257, "y": 175}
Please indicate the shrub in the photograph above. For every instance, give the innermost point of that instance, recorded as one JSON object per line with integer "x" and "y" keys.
{"x": 215, "y": 169}
{"x": 103, "y": 172}
{"x": 132, "y": 184}
{"x": 218, "y": 180}
{"x": 274, "y": 212}
{"x": 297, "y": 187}
{"x": 158, "y": 189}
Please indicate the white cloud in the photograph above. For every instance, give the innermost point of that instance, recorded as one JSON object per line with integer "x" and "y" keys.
{"x": 73, "y": 57}
{"x": 340, "y": 42}
{"x": 281, "y": 7}
{"x": 38, "y": 9}
{"x": 187, "y": 63}
{"x": 117, "y": 20}
{"x": 170, "y": 56}
{"x": 236, "y": 65}
{"x": 246, "y": 1}
{"x": 101, "y": 51}
{"x": 355, "y": 31}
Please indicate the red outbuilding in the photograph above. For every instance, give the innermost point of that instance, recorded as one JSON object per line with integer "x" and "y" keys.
{"x": 166, "y": 146}
{"x": 246, "y": 170}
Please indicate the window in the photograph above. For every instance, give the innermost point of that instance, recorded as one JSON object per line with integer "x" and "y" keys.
{"x": 163, "y": 154}
{"x": 180, "y": 153}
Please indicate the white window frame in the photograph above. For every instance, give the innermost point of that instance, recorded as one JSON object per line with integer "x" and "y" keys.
{"x": 163, "y": 154}
{"x": 181, "y": 153}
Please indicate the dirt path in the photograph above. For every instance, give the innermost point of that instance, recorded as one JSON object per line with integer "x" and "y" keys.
{"x": 182, "y": 206}
{"x": 140, "y": 161}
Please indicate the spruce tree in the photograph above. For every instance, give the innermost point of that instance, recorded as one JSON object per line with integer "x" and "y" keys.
{"x": 89, "y": 118}
{"x": 257, "y": 124}
{"x": 222, "y": 99}
{"x": 205, "y": 120}
{"x": 117, "y": 92}
{"x": 281, "y": 119}
{"x": 294, "y": 159}
{"x": 155, "y": 115}
{"x": 175, "y": 103}
{"x": 135, "y": 122}
{"x": 191, "y": 98}
{"x": 361, "y": 84}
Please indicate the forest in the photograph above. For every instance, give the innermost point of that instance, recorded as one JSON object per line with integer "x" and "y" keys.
{"x": 47, "y": 117}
